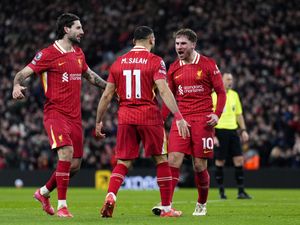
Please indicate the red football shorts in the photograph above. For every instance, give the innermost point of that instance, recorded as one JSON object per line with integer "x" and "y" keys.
{"x": 62, "y": 132}
{"x": 200, "y": 144}
{"x": 130, "y": 136}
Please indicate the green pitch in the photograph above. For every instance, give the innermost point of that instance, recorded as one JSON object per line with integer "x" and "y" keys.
{"x": 268, "y": 206}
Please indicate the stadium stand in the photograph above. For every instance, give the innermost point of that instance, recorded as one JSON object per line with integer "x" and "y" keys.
{"x": 257, "y": 41}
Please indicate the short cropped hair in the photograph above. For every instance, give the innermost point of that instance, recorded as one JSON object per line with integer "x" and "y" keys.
{"x": 64, "y": 20}
{"x": 190, "y": 34}
{"x": 142, "y": 32}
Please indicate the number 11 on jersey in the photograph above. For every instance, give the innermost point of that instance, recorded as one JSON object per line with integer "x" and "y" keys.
{"x": 128, "y": 75}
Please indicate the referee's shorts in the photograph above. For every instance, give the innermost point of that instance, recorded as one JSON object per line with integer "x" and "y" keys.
{"x": 229, "y": 144}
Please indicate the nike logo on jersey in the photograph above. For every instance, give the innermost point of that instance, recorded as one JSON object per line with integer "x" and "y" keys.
{"x": 176, "y": 77}
{"x": 206, "y": 151}
{"x": 62, "y": 63}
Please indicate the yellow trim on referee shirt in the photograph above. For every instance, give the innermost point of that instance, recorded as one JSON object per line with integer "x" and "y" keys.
{"x": 232, "y": 109}
{"x": 54, "y": 145}
{"x": 44, "y": 80}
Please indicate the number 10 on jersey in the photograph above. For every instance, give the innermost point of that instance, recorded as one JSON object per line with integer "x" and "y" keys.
{"x": 137, "y": 75}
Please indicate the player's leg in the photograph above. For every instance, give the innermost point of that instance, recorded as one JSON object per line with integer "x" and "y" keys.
{"x": 164, "y": 181}
{"x": 51, "y": 183}
{"x": 220, "y": 153}
{"x": 153, "y": 142}
{"x": 155, "y": 136}
{"x": 116, "y": 179}
{"x": 177, "y": 148}
{"x": 203, "y": 144}
{"x": 75, "y": 166}
{"x": 175, "y": 160}
{"x": 202, "y": 181}
{"x": 127, "y": 149}
{"x": 77, "y": 142}
{"x": 65, "y": 155}
{"x": 59, "y": 136}
{"x": 238, "y": 162}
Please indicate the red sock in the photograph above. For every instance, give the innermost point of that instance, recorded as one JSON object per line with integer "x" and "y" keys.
{"x": 51, "y": 183}
{"x": 62, "y": 178}
{"x": 117, "y": 177}
{"x": 175, "y": 179}
{"x": 202, "y": 181}
{"x": 164, "y": 181}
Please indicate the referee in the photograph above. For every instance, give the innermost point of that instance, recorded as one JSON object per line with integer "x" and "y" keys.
{"x": 227, "y": 140}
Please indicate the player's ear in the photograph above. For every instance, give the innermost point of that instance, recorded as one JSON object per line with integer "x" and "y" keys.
{"x": 194, "y": 45}
{"x": 67, "y": 29}
{"x": 133, "y": 41}
{"x": 151, "y": 40}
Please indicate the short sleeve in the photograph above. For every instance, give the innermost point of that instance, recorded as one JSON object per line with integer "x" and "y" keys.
{"x": 239, "y": 109}
{"x": 41, "y": 62}
{"x": 160, "y": 71}
{"x": 84, "y": 64}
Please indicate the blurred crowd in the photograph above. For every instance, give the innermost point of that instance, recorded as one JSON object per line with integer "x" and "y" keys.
{"x": 257, "y": 41}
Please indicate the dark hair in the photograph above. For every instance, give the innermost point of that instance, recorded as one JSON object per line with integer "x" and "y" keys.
{"x": 142, "y": 32}
{"x": 64, "y": 20}
{"x": 190, "y": 34}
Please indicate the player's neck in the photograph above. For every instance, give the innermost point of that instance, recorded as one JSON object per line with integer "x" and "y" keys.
{"x": 191, "y": 57}
{"x": 66, "y": 45}
{"x": 143, "y": 44}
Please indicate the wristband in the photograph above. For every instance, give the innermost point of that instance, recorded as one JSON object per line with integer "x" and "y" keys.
{"x": 178, "y": 116}
{"x": 242, "y": 130}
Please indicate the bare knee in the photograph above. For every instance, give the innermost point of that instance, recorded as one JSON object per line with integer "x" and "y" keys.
{"x": 127, "y": 163}
{"x": 199, "y": 164}
{"x": 65, "y": 153}
{"x": 175, "y": 159}
{"x": 238, "y": 161}
{"x": 160, "y": 159}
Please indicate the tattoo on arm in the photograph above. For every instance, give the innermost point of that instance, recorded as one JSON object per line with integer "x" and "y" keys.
{"x": 93, "y": 78}
{"x": 99, "y": 81}
{"x": 87, "y": 76}
{"x": 19, "y": 78}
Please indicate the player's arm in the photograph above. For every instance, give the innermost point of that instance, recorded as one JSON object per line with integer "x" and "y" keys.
{"x": 102, "y": 107}
{"x": 18, "y": 82}
{"x": 219, "y": 88}
{"x": 170, "y": 102}
{"x": 94, "y": 78}
{"x": 164, "y": 109}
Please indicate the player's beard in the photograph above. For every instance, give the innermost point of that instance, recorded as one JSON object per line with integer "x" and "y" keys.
{"x": 74, "y": 40}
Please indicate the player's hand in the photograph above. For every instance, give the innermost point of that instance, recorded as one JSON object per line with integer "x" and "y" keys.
{"x": 216, "y": 142}
{"x": 213, "y": 120}
{"x": 183, "y": 128}
{"x": 244, "y": 136}
{"x": 98, "y": 130}
{"x": 18, "y": 91}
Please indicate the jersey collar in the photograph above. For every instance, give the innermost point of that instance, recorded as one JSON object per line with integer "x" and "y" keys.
{"x": 60, "y": 48}
{"x": 138, "y": 48}
{"x": 195, "y": 60}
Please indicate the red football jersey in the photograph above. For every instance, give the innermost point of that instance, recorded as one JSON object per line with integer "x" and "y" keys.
{"x": 134, "y": 75}
{"x": 60, "y": 73}
{"x": 192, "y": 85}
